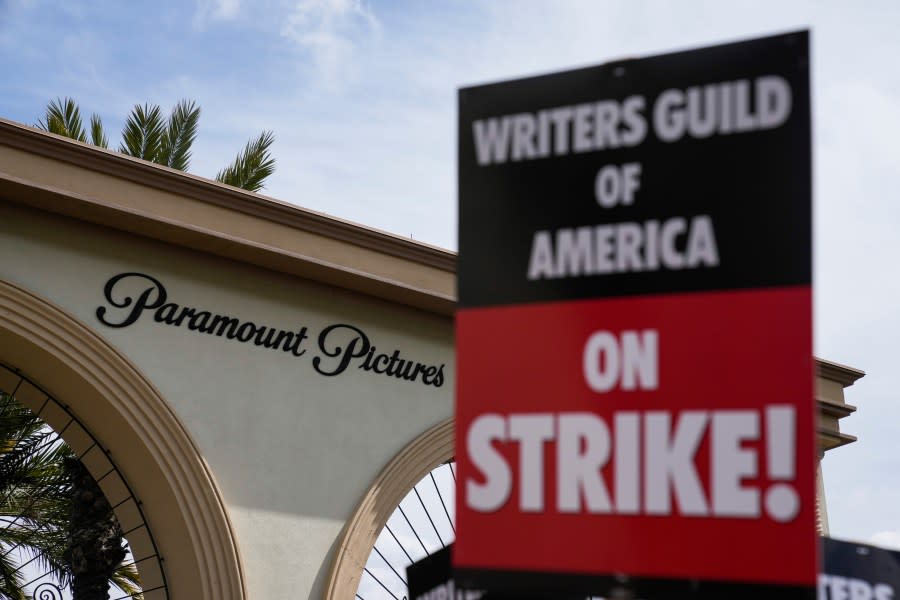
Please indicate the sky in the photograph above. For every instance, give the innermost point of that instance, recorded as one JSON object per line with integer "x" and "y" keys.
{"x": 361, "y": 97}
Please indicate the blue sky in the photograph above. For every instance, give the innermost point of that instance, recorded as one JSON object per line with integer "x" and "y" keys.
{"x": 361, "y": 97}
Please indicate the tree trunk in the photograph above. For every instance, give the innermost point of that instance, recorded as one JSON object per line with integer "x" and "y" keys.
{"x": 94, "y": 542}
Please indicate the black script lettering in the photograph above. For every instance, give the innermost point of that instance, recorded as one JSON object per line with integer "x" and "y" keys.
{"x": 246, "y": 331}
{"x": 186, "y": 313}
{"x": 166, "y": 313}
{"x": 288, "y": 342}
{"x": 150, "y": 298}
{"x": 301, "y": 335}
{"x": 401, "y": 368}
{"x": 264, "y": 340}
{"x": 292, "y": 343}
{"x": 224, "y": 323}
{"x": 394, "y": 358}
{"x": 367, "y": 362}
{"x": 428, "y": 375}
{"x": 378, "y": 360}
{"x": 283, "y": 339}
{"x": 199, "y": 321}
{"x": 401, "y": 365}
{"x": 420, "y": 368}
{"x": 339, "y": 344}
{"x": 346, "y": 354}
{"x": 407, "y": 371}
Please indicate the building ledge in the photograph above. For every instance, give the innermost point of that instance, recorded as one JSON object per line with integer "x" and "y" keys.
{"x": 62, "y": 176}
{"x": 843, "y": 374}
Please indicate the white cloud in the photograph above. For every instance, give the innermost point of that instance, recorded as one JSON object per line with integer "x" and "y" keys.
{"x": 331, "y": 31}
{"x": 226, "y": 9}
{"x": 886, "y": 539}
{"x": 215, "y": 10}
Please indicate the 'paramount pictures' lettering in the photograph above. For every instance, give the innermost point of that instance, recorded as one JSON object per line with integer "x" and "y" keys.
{"x": 339, "y": 345}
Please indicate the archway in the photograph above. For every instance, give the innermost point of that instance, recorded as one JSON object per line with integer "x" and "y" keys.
{"x": 406, "y": 469}
{"x": 143, "y": 437}
{"x": 40, "y": 493}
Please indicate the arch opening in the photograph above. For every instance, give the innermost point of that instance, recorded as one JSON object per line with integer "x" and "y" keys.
{"x": 65, "y": 506}
{"x": 137, "y": 431}
{"x": 414, "y": 462}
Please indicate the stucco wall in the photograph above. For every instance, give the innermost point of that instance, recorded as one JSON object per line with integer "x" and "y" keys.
{"x": 292, "y": 450}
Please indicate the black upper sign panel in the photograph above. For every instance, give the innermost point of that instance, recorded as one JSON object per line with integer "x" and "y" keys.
{"x": 858, "y": 571}
{"x": 681, "y": 172}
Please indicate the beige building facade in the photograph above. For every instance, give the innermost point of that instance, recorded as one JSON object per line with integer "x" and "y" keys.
{"x": 267, "y": 382}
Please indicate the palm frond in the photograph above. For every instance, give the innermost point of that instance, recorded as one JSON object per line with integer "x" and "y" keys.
{"x": 36, "y": 506}
{"x": 29, "y": 452}
{"x": 34, "y": 495}
{"x": 63, "y": 117}
{"x": 127, "y": 579}
{"x": 30, "y": 457}
{"x": 252, "y": 166}
{"x": 11, "y": 579}
{"x": 43, "y": 548}
{"x": 179, "y": 136}
{"x": 98, "y": 135}
{"x": 143, "y": 132}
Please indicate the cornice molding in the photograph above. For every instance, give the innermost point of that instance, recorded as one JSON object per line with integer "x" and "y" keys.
{"x": 208, "y": 240}
{"x": 834, "y": 409}
{"x": 829, "y": 439}
{"x": 118, "y": 165}
{"x": 833, "y": 371}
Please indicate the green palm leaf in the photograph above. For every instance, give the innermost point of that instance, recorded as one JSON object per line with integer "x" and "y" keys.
{"x": 148, "y": 136}
{"x": 34, "y": 497}
{"x": 11, "y": 579}
{"x": 36, "y": 500}
{"x": 98, "y": 136}
{"x": 143, "y": 133}
{"x": 252, "y": 166}
{"x": 127, "y": 579}
{"x": 175, "y": 148}
{"x": 63, "y": 117}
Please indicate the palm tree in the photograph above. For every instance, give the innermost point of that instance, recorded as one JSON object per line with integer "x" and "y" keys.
{"x": 95, "y": 545}
{"x": 39, "y": 491}
{"x": 168, "y": 142}
{"x": 32, "y": 501}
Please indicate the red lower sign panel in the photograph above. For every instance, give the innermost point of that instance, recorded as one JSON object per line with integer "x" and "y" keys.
{"x": 657, "y": 436}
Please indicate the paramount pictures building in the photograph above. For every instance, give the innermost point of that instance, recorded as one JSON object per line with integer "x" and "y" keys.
{"x": 255, "y": 387}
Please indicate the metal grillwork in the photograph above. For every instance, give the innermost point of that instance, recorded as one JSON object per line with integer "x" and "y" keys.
{"x": 423, "y": 523}
{"x": 56, "y": 429}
